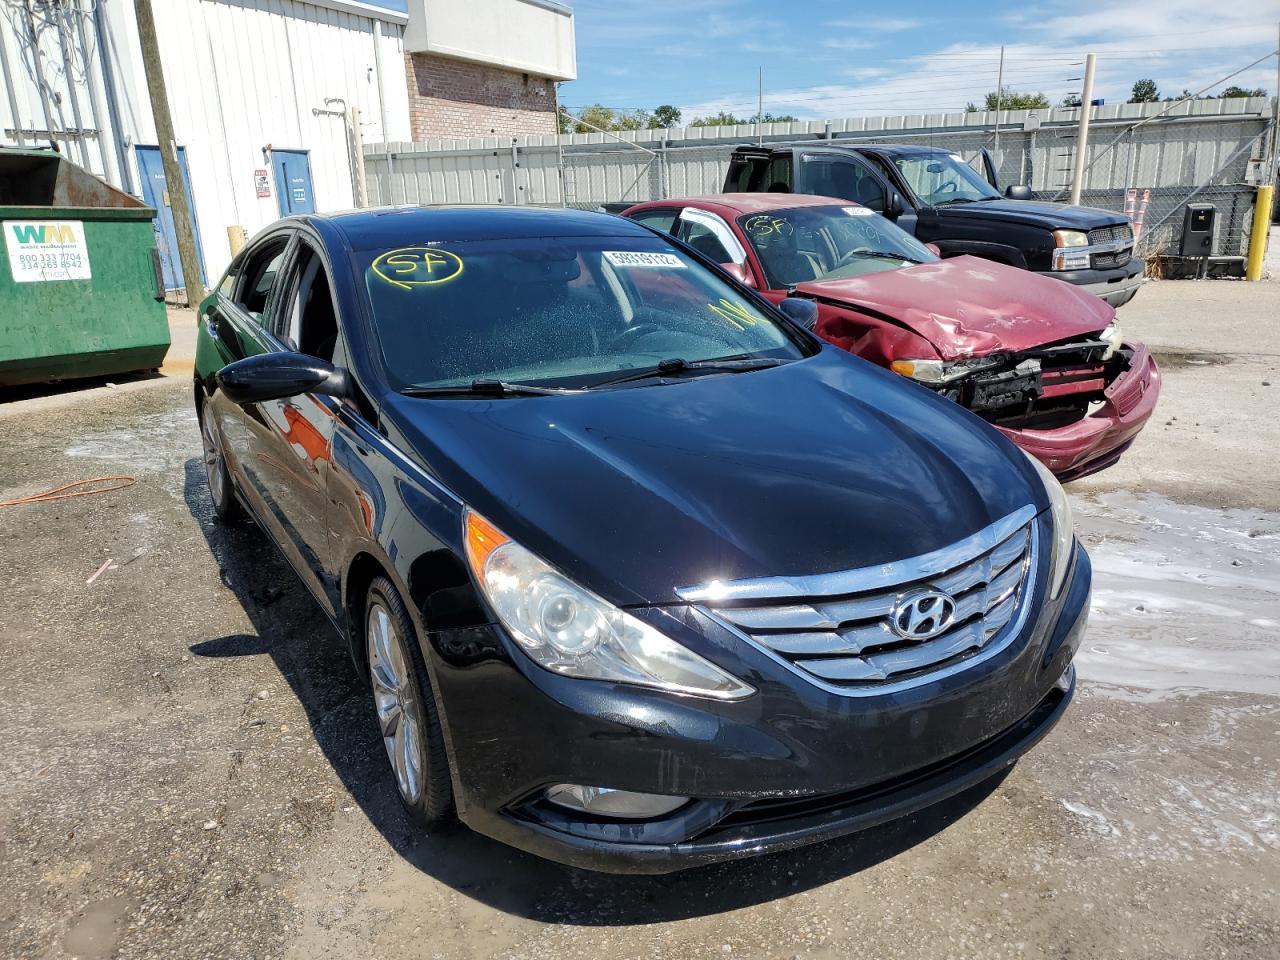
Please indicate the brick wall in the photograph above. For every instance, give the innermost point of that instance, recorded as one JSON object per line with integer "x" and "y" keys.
{"x": 453, "y": 98}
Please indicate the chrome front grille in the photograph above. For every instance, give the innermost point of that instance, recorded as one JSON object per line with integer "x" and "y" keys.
{"x": 1119, "y": 237}
{"x": 1120, "y": 232}
{"x": 836, "y": 629}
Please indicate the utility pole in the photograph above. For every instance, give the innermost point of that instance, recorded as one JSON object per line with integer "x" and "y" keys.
{"x": 1082, "y": 138}
{"x": 175, "y": 186}
{"x": 995, "y": 149}
{"x": 760, "y": 106}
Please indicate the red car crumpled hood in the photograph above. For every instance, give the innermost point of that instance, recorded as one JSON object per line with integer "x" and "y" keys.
{"x": 970, "y": 307}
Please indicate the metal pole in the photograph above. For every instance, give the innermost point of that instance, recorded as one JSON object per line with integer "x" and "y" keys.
{"x": 382, "y": 107}
{"x": 71, "y": 94}
{"x": 995, "y": 149}
{"x": 357, "y": 138}
{"x": 1275, "y": 114}
{"x": 175, "y": 186}
{"x": 760, "y": 106}
{"x": 101, "y": 36}
{"x": 109, "y": 167}
{"x": 37, "y": 74}
{"x": 10, "y": 89}
{"x": 1082, "y": 138}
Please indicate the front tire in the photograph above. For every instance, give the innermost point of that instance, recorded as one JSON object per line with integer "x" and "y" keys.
{"x": 406, "y": 707}
{"x": 225, "y": 504}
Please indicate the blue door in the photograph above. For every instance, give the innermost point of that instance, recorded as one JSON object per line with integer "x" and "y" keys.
{"x": 293, "y": 181}
{"x": 155, "y": 193}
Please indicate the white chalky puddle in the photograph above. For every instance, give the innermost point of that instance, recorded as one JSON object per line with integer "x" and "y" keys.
{"x": 1184, "y": 597}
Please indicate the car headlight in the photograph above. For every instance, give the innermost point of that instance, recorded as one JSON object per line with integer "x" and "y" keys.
{"x": 1112, "y": 336}
{"x": 940, "y": 371}
{"x": 1064, "y": 256}
{"x": 1064, "y": 531}
{"x": 568, "y": 629}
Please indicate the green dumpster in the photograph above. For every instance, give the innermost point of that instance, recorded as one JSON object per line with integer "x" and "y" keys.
{"x": 80, "y": 294}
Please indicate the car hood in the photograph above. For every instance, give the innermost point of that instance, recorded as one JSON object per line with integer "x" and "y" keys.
{"x": 1051, "y": 216}
{"x": 820, "y": 465}
{"x": 967, "y": 307}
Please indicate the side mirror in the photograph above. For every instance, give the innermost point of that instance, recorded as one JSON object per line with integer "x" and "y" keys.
{"x": 934, "y": 249}
{"x": 1018, "y": 191}
{"x": 895, "y": 206}
{"x": 800, "y": 310}
{"x": 274, "y": 376}
{"x": 740, "y": 273}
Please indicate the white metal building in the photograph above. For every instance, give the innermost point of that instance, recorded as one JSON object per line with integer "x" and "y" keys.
{"x": 270, "y": 99}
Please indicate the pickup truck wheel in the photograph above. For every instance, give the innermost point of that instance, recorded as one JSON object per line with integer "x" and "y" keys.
{"x": 406, "y": 707}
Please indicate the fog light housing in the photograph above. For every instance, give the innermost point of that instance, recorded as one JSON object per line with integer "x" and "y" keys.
{"x": 603, "y": 802}
{"x": 1068, "y": 677}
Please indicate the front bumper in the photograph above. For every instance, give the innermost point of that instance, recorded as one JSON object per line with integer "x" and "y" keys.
{"x": 790, "y": 765}
{"x": 1097, "y": 441}
{"x": 1117, "y": 285}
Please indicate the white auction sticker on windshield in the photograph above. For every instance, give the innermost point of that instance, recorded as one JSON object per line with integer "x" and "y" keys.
{"x": 859, "y": 211}
{"x": 636, "y": 258}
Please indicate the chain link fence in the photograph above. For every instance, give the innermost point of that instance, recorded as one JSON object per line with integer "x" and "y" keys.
{"x": 1140, "y": 164}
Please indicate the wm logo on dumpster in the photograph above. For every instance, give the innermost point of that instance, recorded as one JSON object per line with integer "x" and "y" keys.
{"x": 44, "y": 233}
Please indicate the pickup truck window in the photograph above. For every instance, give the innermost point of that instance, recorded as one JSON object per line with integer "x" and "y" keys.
{"x": 939, "y": 179}
{"x": 851, "y": 179}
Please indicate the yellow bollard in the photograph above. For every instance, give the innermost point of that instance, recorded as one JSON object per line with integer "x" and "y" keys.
{"x": 1258, "y": 235}
{"x": 236, "y": 239}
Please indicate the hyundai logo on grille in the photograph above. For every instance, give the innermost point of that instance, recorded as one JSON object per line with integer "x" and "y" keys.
{"x": 922, "y": 615}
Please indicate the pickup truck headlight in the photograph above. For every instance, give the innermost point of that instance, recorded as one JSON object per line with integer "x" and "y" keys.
{"x": 568, "y": 629}
{"x": 1065, "y": 256}
{"x": 1064, "y": 531}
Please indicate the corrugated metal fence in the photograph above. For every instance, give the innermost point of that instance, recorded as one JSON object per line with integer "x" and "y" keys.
{"x": 1203, "y": 150}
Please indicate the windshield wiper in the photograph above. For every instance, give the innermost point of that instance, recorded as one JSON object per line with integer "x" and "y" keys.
{"x": 881, "y": 255}
{"x": 488, "y": 388}
{"x": 943, "y": 203}
{"x": 677, "y": 365}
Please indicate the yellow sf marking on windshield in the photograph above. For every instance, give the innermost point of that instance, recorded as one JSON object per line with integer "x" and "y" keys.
{"x": 410, "y": 267}
{"x": 734, "y": 314}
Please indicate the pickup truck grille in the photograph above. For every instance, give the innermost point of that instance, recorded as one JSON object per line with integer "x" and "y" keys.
{"x": 838, "y": 629}
{"x": 1120, "y": 234}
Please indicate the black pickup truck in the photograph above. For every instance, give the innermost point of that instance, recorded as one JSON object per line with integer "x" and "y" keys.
{"x": 933, "y": 194}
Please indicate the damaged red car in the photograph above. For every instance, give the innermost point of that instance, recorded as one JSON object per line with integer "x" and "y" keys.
{"x": 1039, "y": 359}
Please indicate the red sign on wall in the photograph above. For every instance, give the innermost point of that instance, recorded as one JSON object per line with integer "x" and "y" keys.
{"x": 262, "y": 182}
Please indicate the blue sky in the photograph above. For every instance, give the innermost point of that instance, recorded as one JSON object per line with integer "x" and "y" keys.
{"x": 836, "y": 58}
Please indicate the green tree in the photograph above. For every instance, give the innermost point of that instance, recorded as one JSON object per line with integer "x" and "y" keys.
{"x": 1071, "y": 100}
{"x": 663, "y": 117}
{"x": 1234, "y": 91}
{"x": 1144, "y": 91}
{"x": 721, "y": 119}
{"x": 1010, "y": 99}
{"x": 768, "y": 117}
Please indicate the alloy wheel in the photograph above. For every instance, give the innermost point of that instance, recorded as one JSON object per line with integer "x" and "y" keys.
{"x": 394, "y": 700}
{"x": 213, "y": 465}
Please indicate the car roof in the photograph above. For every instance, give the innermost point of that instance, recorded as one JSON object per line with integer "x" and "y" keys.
{"x": 383, "y": 227}
{"x": 740, "y": 203}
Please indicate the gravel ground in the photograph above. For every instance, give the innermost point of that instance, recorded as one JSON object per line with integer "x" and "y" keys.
{"x": 192, "y": 769}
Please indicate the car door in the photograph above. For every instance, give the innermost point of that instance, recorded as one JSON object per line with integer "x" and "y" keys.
{"x": 234, "y": 318}
{"x": 290, "y": 440}
{"x": 843, "y": 175}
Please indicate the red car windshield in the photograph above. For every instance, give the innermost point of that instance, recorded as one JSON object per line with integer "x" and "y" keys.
{"x": 828, "y": 243}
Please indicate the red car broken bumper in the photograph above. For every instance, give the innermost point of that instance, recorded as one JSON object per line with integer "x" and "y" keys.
{"x": 1096, "y": 442}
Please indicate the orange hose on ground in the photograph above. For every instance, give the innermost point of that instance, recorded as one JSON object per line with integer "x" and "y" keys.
{"x": 67, "y": 491}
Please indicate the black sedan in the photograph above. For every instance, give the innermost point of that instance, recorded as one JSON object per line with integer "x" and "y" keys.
{"x": 642, "y": 575}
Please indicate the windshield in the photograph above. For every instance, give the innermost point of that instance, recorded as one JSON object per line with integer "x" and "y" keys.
{"x": 828, "y": 243}
{"x": 563, "y": 312}
{"x": 942, "y": 178}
